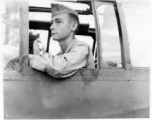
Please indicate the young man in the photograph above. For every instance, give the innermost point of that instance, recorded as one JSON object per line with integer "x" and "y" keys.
{"x": 74, "y": 54}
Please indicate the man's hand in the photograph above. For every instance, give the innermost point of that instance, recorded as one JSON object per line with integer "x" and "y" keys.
{"x": 36, "y": 62}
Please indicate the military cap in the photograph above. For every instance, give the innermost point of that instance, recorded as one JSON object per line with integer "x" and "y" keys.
{"x": 59, "y": 9}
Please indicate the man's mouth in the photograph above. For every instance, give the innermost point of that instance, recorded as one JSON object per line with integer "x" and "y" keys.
{"x": 53, "y": 33}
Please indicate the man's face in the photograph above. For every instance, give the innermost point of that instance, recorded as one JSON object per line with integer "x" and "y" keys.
{"x": 61, "y": 27}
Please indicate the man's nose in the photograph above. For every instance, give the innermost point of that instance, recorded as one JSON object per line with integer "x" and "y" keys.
{"x": 52, "y": 26}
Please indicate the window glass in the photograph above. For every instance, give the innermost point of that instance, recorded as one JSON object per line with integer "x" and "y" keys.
{"x": 110, "y": 41}
{"x": 137, "y": 19}
{"x": 11, "y": 37}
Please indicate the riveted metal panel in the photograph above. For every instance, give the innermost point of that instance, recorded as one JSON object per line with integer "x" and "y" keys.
{"x": 79, "y": 96}
{"x": 86, "y": 74}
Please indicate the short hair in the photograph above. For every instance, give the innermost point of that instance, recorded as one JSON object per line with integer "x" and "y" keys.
{"x": 75, "y": 18}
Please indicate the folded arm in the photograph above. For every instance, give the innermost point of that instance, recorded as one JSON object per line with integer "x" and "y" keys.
{"x": 61, "y": 65}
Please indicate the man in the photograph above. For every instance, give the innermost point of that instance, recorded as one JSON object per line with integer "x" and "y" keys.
{"x": 74, "y": 54}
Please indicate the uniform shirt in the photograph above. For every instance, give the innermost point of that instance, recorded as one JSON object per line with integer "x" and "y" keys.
{"x": 78, "y": 55}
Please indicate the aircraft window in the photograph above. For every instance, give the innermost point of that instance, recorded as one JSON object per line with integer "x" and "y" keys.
{"x": 110, "y": 41}
{"x": 137, "y": 19}
{"x": 10, "y": 40}
{"x": 86, "y": 22}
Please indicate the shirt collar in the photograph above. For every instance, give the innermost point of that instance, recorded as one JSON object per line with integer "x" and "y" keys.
{"x": 70, "y": 46}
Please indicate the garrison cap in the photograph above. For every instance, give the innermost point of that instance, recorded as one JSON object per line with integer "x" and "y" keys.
{"x": 59, "y": 9}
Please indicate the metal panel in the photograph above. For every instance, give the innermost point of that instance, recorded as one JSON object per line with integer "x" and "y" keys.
{"x": 86, "y": 74}
{"x": 88, "y": 94}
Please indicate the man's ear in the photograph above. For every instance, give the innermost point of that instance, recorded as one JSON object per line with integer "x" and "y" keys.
{"x": 74, "y": 25}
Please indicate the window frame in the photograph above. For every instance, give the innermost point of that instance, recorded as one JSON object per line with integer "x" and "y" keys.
{"x": 24, "y": 37}
{"x": 124, "y": 43}
{"x": 126, "y": 59}
{"x": 123, "y": 35}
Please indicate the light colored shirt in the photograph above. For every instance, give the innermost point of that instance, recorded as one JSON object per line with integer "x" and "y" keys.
{"x": 78, "y": 55}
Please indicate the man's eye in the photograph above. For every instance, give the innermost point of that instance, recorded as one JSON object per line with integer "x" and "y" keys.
{"x": 58, "y": 21}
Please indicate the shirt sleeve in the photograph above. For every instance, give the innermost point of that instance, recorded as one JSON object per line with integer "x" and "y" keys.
{"x": 61, "y": 65}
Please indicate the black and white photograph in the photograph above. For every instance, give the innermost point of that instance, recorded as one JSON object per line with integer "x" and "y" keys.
{"x": 75, "y": 59}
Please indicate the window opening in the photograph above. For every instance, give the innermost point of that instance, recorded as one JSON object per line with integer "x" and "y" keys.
{"x": 138, "y": 26}
{"x": 110, "y": 40}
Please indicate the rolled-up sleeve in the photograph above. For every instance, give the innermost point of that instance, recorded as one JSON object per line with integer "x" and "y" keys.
{"x": 62, "y": 65}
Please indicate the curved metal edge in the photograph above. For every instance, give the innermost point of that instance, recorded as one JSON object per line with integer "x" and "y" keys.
{"x": 98, "y": 37}
{"x": 125, "y": 41}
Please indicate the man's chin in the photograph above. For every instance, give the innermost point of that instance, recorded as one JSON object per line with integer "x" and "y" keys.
{"x": 55, "y": 39}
